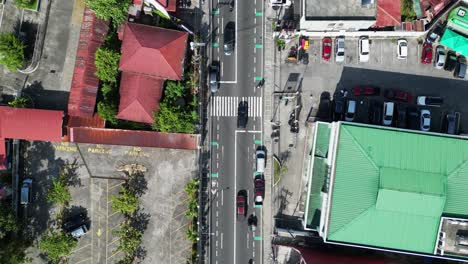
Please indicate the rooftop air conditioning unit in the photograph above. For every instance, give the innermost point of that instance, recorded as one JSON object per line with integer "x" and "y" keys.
{"x": 461, "y": 12}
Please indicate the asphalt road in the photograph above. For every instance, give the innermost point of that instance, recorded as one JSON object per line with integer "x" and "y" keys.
{"x": 233, "y": 149}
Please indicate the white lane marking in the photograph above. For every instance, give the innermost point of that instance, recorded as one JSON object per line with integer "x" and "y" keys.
{"x": 217, "y": 223}
{"x": 236, "y": 52}
{"x": 222, "y": 69}
{"x": 248, "y": 131}
{"x": 221, "y": 240}
{"x": 222, "y": 198}
{"x": 227, "y": 82}
{"x": 217, "y": 213}
{"x": 248, "y": 239}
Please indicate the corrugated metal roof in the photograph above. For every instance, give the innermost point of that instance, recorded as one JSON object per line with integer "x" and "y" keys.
{"x": 153, "y": 51}
{"x": 395, "y": 185}
{"x": 31, "y": 124}
{"x": 323, "y": 139}
{"x": 315, "y": 200}
{"x": 133, "y": 138}
{"x": 85, "y": 84}
{"x": 455, "y": 41}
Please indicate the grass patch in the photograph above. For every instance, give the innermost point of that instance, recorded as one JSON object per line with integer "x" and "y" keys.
{"x": 26, "y": 4}
{"x": 407, "y": 11}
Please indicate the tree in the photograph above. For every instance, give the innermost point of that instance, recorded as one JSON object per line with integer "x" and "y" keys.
{"x": 11, "y": 51}
{"x": 126, "y": 202}
{"x": 173, "y": 119}
{"x": 8, "y": 221}
{"x": 191, "y": 188}
{"x": 173, "y": 91}
{"x": 59, "y": 193}
{"x": 107, "y": 111}
{"x": 192, "y": 208}
{"x": 19, "y": 102}
{"x": 130, "y": 238}
{"x": 107, "y": 64}
{"x": 191, "y": 234}
{"x": 115, "y": 10}
{"x": 57, "y": 245}
{"x": 24, "y": 3}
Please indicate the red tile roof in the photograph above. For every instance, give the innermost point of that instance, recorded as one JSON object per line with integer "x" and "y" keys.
{"x": 84, "y": 86}
{"x": 139, "y": 97}
{"x": 153, "y": 51}
{"x": 133, "y": 138}
{"x": 388, "y": 13}
{"x": 31, "y": 124}
{"x": 170, "y": 5}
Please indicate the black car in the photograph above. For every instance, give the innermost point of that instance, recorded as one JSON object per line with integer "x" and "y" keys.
{"x": 413, "y": 120}
{"x": 339, "y": 104}
{"x": 242, "y": 114}
{"x": 375, "y": 113}
{"x": 401, "y": 118}
{"x": 460, "y": 68}
{"x": 214, "y": 77}
{"x": 229, "y": 38}
{"x": 434, "y": 34}
{"x": 324, "y": 110}
{"x": 451, "y": 61}
{"x": 452, "y": 121}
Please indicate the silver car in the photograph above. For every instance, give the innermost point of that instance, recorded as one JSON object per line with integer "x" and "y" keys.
{"x": 425, "y": 120}
{"x": 340, "y": 49}
{"x": 440, "y": 56}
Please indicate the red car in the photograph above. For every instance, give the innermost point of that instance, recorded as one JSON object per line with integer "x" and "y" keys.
{"x": 366, "y": 90}
{"x": 394, "y": 94}
{"x": 241, "y": 202}
{"x": 426, "y": 56}
{"x": 259, "y": 183}
{"x": 326, "y": 48}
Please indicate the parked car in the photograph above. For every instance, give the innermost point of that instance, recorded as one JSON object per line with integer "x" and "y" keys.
{"x": 340, "y": 49}
{"x": 430, "y": 100}
{"x": 402, "y": 47}
{"x": 435, "y": 33}
{"x": 261, "y": 158}
{"x": 426, "y": 54}
{"x": 401, "y": 118}
{"x": 229, "y": 38}
{"x": 412, "y": 120}
{"x": 451, "y": 61}
{"x": 76, "y": 225}
{"x": 366, "y": 90}
{"x": 326, "y": 48}
{"x": 440, "y": 54}
{"x": 375, "y": 113}
{"x": 259, "y": 184}
{"x": 338, "y": 107}
{"x": 325, "y": 107}
{"x": 241, "y": 203}
{"x": 350, "y": 110}
{"x": 214, "y": 77}
{"x": 26, "y": 191}
{"x": 395, "y": 94}
{"x": 388, "y": 109}
{"x": 364, "y": 49}
{"x": 452, "y": 123}
{"x": 460, "y": 68}
{"x": 425, "y": 120}
{"x": 242, "y": 114}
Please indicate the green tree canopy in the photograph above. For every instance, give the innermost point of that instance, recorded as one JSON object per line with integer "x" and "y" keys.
{"x": 126, "y": 202}
{"x": 59, "y": 193}
{"x": 20, "y": 102}
{"x": 108, "y": 110}
{"x": 107, "y": 64}
{"x": 57, "y": 245}
{"x": 173, "y": 91}
{"x": 115, "y": 10}
{"x": 174, "y": 119}
{"x": 8, "y": 222}
{"x": 130, "y": 238}
{"x": 11, "y": 51}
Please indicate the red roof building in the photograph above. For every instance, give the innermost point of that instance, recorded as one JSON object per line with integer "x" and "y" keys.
{"x": 84, "y": 87}
{"x": 139, "y": 97}
{"x": 133, "y": 138}
{"x": 153, "y": 51}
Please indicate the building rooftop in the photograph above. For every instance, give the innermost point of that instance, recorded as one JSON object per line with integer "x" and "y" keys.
{"x": 396, "y": 185}
{"x": 458, "y": 20}
{"x": 339, "y": 10}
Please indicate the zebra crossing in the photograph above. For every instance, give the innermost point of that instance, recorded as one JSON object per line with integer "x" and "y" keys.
{"x": 227, "y": 105}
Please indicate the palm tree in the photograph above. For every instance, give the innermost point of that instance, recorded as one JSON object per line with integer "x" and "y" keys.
{"x": 191, "y": 188}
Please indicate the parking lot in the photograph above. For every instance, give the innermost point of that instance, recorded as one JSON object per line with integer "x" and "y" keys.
{"x": 96, "y": 177}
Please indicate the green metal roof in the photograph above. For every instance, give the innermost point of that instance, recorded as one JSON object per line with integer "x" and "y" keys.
{"x": 458, "y": 19}
{"x": 391, "y": 187}
{"x": 455, "y": 41}
{"x": 323, "y": 139}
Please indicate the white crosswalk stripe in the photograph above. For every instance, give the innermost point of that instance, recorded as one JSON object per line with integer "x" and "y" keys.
{"x": 227, "y": 105}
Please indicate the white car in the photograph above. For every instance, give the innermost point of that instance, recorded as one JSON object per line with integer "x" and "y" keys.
{"x": 402, "y": 49}
{"x": 364, "y": 49}
{"x": 261, "y": 155}
{"x": 425, "y": 120}
{"x": 388, "y": 109}
{"x": 439, "y": 61}
{"x": 340, "y": 49}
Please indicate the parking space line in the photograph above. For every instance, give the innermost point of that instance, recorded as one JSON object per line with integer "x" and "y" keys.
{"x": 83, "y": 260}
{"x": 78, "y": 249}
{"x": 180, "y": 227}
{"x": 115, "y": 240}
{"x": 115, "y": 253}
{"x": 112, "y": 187}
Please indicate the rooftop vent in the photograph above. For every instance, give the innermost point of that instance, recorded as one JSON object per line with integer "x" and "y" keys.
{"x": 461, "y": 12}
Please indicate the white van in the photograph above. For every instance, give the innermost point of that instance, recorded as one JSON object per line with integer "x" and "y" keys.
{"x": 260, "y": 161}
{"x": 388, "y": 109}
{"x": 350, "y": 111}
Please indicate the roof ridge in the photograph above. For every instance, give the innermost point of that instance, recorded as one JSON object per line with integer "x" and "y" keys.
{"x": 354, "y": 219}
{"x": 360, "y": 147}
{"x": 164, "y": 54}
{"x": 459, "y": 167}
